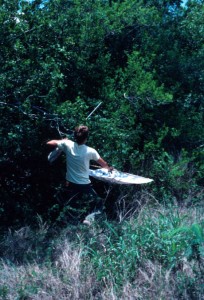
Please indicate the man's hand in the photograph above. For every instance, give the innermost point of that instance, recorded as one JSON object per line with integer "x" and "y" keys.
{"x": 104, "y": 164}
{"x": 111, "y": 169}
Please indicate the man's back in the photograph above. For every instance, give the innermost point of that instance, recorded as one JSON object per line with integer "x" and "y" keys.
{"x": 78, "y": 159}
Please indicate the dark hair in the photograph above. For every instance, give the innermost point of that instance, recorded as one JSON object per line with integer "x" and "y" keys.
{"x": 81, "y": 134}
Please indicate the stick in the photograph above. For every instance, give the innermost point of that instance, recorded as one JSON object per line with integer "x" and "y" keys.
{"x": 94, "y": 110}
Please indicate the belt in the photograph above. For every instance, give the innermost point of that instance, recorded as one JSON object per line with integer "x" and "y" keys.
{"x": 68, "y": 183}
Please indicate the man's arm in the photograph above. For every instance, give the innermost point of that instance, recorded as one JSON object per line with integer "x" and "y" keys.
{"x": 54, "y": 143}
{"x": 104, "y": 164}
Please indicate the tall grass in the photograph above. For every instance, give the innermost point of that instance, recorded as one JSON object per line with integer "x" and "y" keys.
{"x": 158, "y": 253}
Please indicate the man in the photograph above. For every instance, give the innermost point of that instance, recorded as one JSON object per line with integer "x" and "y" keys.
{"x": 78, "y": 157}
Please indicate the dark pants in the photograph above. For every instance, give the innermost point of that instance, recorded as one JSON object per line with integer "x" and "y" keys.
{"x": 80, "y": 200}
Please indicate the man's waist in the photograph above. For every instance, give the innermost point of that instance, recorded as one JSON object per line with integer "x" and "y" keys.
{"x": 70, "y": 183}
{"x": 78, "y": 179}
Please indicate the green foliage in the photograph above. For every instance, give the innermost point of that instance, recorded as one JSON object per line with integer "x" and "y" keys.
{"x": 161, "y": 238}
{"x": 178, "y": 177}
{"x": 161, "y": 248}
{"x": 142, "y": 59}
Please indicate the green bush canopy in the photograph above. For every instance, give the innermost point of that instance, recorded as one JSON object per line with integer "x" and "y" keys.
{"x": 144, "y": 60}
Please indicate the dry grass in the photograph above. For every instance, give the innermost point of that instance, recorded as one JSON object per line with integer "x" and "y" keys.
{"x": 35, "y": 266}
{"x": 64, "y": 279}
{"x": 69, "y": 281}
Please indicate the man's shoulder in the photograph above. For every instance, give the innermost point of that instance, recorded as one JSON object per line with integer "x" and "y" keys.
{"x": 93, "y": 153}
{"x": 90, "y": 149}
{"x": 65, "y": 143}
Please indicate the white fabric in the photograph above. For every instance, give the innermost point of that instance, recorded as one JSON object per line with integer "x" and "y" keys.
{"x": 54, "y": 155}
{"x": 78, "y": 159}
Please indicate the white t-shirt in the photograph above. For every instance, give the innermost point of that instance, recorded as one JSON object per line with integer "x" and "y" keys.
{"x": 78, "y": 159}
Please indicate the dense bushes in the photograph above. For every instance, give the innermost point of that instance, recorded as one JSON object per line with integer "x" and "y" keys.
{"x": 60, "y": 59}
{"x": 143, "y": 61}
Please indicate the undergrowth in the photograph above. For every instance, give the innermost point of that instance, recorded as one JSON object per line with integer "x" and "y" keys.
{"x": 158, "y": 253}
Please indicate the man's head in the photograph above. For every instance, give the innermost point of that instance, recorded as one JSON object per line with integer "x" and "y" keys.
{"x": 81, "y": 134}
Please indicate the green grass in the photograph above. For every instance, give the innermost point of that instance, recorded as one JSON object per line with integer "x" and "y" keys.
{"x": 158, "y": 253}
